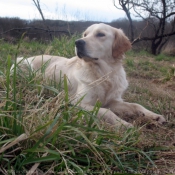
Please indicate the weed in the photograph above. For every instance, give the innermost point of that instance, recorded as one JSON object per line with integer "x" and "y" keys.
{"x": 170, "y": 74}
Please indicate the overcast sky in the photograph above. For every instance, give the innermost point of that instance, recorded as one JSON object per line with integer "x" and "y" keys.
{"x": 96, "y": 10}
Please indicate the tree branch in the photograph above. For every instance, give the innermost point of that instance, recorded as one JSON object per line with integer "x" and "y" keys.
{"x": 171, "y": 14}
{"x": 152, "y": 38}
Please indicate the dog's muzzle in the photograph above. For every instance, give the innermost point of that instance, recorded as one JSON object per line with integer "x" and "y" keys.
{"x": 81, "y": 51}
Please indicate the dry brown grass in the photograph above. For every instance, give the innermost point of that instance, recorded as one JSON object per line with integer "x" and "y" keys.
{"x": 155, "y": 137}
{"x": 150, "y": 87}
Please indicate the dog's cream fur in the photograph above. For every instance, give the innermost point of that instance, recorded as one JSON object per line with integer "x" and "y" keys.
{"x": 96, "y": 72}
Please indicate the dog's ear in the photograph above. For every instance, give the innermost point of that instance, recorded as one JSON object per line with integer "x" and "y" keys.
{"x": 121, "y": 44}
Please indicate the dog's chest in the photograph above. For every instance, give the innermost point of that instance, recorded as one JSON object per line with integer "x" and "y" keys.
{"x": 103, "y": 87}
{"x": 111, "y": 87}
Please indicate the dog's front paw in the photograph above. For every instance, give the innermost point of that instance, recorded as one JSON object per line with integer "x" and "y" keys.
{"x": 160, "y": 119}
{"x": 156, "y": 117}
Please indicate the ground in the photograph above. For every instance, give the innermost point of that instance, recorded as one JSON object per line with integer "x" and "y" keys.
{"x": 152, "y": 84}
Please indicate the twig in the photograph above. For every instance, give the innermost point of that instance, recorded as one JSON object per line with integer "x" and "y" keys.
{"x": 140, "y": 33}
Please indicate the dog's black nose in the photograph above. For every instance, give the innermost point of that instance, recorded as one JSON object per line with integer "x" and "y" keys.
{"x": 79, "y": 43}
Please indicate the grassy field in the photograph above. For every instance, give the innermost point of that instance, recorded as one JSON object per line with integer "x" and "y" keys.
{"x": 40, "y": 131}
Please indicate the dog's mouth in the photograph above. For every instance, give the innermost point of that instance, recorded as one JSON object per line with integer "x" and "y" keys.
{"x": 81, "y": 51}
{"x": 85, "y": 56}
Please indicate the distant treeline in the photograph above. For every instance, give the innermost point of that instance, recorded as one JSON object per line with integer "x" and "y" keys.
{"x": 11, "y": 29}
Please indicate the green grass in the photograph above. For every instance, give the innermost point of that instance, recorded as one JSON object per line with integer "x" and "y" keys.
{"x": 149, "y": 66}
{"x": 141, "y": 53}
{"x": 64, "y": 46}
{"x": 163, "y": 57}
{"x": 39, "y": 125}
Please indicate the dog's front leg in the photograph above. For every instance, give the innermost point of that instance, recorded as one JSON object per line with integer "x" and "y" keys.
{"x": 108, "y": 116}
{"x": 133, "y": 109}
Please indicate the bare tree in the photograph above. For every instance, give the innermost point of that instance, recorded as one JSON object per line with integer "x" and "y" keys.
{"x": 159, "y": 14}
{"x": 126, "y": 6}
{"x": 37, "y": 4}
{"x": 160, "y": 18}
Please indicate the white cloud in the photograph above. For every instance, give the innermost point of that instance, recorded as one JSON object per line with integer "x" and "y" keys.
{"x": 96, "y": 10}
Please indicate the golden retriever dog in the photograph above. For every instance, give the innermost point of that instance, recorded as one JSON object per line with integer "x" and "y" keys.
{"x": 96, "y": 72}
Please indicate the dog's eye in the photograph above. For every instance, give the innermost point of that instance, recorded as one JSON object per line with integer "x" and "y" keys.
{"x": 100, "y": 34}
{"x": 85, "y": 34}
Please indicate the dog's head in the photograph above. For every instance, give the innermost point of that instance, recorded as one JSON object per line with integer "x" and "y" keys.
{"x": 101, "y": 41}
